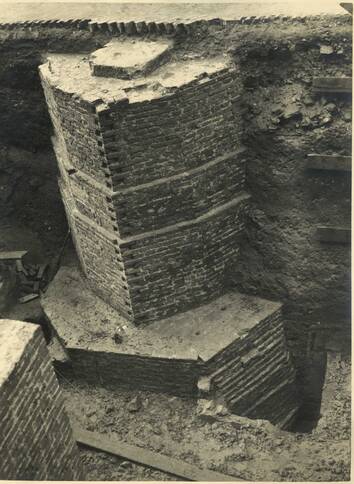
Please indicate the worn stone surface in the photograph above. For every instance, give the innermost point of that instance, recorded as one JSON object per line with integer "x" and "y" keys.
{"x": 129, "y": 59}
{"x": 71, "y": 74}
{"x": 36, "y": 436}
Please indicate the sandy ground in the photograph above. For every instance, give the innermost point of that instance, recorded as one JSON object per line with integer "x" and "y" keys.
{"x": 248, "y": 449}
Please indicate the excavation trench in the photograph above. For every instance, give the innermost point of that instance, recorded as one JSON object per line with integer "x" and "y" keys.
{"x": 282, "y": 123}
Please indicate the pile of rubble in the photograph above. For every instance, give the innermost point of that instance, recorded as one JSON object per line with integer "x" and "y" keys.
{"x": 28, "y": 279}
{"x": 33, "y": 279}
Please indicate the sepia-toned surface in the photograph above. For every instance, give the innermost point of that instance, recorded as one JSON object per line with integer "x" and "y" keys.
{"x": 36, "y": 437}
{"x": 284, "y": 118}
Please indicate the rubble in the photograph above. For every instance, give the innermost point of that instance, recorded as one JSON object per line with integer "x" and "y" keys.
{"x": 326, "y": 50}
{"x": 32, "y": 280}
{"x": 135, "y": 404}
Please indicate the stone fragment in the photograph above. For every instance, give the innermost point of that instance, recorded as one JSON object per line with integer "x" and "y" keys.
{"x": 347, "y": 115}
{"x": 204, "y": 384}
{"x": 325, "y": 120}
{"x": 209, "y": 409}
{"x": 134, "y": 405}
{"x": 331, "y": 107}
{"x": 292, "y": 111}
{"x": 326, "y": 50}
{"x": 27, "y": 298}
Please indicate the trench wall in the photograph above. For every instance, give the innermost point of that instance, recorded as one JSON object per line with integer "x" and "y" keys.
{"x": 36, "y": 437}
{"x": 281, "y": 256}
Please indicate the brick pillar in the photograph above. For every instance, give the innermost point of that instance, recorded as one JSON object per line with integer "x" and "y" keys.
{"x": 36, "y": 440}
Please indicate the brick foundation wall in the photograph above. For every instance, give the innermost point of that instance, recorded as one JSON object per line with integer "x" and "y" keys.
{"x": 154, "y": 139}
{"x": 171, "y": 270}
{"x": 251, "y": 373}
{"x": 174, "y": 376}
{"x": 153, "y": 191}
{"x": 36, "y": 438}
{"x": 254, "y": 376}
{"x": 100, "y": 257}
{"x": 76, "y": 122}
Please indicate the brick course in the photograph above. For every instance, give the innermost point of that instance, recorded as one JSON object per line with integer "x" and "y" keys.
{"x": 254, "y": 376}
{"x": 231, "y": 350}
{"x": 35, "y": 432}
{"x": 153, "y": 188}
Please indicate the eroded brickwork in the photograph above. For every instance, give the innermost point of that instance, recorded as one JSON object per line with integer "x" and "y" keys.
{"x": 153, "y": 187}
{"x": 254, "y": 376}
{"x": 36, "y": 437}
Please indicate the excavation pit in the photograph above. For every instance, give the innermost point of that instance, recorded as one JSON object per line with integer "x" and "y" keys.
{"x": 282, "y": 122}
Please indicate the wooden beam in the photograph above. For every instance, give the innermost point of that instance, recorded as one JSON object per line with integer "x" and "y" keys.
{"x": 112, "y": 445}
{"x": 12, "y": 255}
{"x": 347, "y": 6}
{"x": 329, "y": 162}
{"x": 335, "y": 85}
{"x": 333, "y": 235}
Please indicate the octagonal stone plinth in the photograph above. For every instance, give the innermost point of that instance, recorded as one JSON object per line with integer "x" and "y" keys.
{"x": 130, "y": 58}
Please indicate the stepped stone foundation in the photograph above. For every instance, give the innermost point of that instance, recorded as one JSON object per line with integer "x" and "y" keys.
{"x": 232, "y": 350}
{"x": 36, "y": 437}
{"x": 152, "y": 175}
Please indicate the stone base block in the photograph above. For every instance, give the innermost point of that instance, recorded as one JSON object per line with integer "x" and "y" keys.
{"x": 232, "y": 350}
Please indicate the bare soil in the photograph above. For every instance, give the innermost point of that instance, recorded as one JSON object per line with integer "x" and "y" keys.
{"x": 248, "y": 449}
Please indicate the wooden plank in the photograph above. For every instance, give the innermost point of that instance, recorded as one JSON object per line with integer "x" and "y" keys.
{"x": 20, "y": 267}
{"x": 329, "y": 162}
{"x": 347, "y": 6}
{"x": 335, "y": 85}
{"x": 112, "y": 445}
{"x": 12, "y": 255}
{"x": 28, "y": 298}
{"x": 333, "y": 235}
